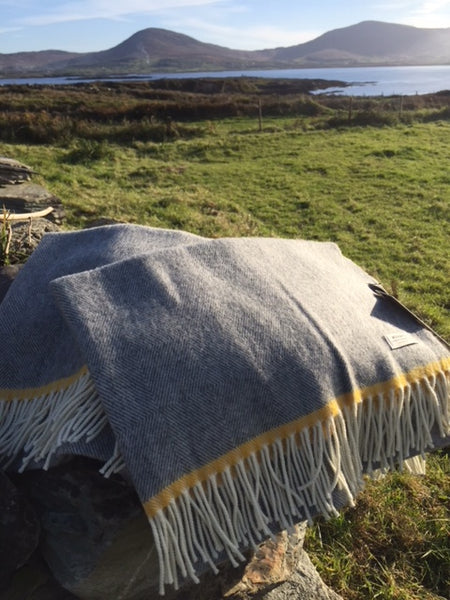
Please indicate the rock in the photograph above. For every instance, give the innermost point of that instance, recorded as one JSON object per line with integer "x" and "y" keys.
{"x": 128, "y": 567}
{"x": 19, "y": 530}
{"x": 97, "y": 541}
{"x": 28, "y": 198}
{"x": 303, "y": 583}
{"x": 12, "y": 171}
{"x": 98, "y": 545}
{"x": 35, "y": 582}
{"x": 21, "y": 210}
{"x": 281, "y": 569}
{"x": 7, "y": 276}
{"x": 26, "y": 236}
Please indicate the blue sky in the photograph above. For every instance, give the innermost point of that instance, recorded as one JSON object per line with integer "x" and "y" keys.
{"x": 90, "y": 25}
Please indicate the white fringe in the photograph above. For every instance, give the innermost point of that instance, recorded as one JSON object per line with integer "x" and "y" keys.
{"x": 34, "y": 429}
{"x": 115, "y": 464}
{"x": 315, "y": 471}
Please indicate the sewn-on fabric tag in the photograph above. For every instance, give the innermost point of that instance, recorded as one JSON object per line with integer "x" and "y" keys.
{"x": 399, "y": 340}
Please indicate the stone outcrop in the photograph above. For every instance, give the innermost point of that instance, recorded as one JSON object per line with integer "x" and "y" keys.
{"x": 12, "y": 171}
{"x": 18, "y": 195}
{"x": 19, "y": 529}
{"x": 29, "y": 198}
{"x": 96, "y": 544}
{"x": 26, "y": 235}
{"x": 22, "y": 206}
{"x": 7, "y": 275}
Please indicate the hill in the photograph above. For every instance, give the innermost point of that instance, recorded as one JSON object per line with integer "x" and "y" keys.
{"x": 151, "y": 50}
{"x": 372, "y": 42}
{"x": 158, "y": 49}
{"x": 28, "y": 62}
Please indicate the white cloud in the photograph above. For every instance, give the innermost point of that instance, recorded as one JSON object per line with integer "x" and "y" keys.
{"x": 106, "y": 9}
{"x": 430, "y": 13}
{"x": 419, "y": 13}
{"x": 432, "y": 6}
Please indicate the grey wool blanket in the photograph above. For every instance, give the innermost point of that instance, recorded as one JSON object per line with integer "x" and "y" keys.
{"x": 243, "y": 385}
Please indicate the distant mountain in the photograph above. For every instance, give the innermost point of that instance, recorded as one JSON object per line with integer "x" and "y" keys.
{"x": 28, "y": 62}
{"x": 151, "y": 50}
{"x": 372, "y": 42}
{"x": 159, "y": 49}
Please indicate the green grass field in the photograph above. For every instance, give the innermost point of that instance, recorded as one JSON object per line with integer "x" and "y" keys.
{"x": 382, "y": 194}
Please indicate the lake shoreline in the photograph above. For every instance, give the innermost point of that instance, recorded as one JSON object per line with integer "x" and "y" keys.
{"x": 353, "y": 81}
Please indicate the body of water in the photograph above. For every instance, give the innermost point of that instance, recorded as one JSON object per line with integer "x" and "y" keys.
{"x": 364, "y": 81}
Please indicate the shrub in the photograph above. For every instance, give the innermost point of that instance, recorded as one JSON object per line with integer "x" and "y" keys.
{"x": 372, "y": 118}
{"x": 87, "y": 151}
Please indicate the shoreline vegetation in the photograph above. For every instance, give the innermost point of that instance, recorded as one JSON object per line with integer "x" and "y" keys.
{"x": 266, "y": 157}
{"x": 174, "y": 109}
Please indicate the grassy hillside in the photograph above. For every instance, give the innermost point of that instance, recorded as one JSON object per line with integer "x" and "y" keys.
{"x": 381, "y": 192}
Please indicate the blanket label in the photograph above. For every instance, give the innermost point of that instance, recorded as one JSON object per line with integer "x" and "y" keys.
{"x": 399, "y": 340}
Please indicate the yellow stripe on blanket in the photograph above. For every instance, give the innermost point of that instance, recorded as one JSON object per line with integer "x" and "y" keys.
{"x": 382, "y": 391}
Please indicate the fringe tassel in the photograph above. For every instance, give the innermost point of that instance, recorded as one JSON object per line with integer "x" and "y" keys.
{"x": 115, "y": 464}
{"x": 315, "y": 471}
{"x": 34, "y": 429}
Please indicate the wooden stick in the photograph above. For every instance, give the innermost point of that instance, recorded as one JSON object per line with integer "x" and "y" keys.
{"x": 8, "y": 244}
{"x": 33, "y": 215}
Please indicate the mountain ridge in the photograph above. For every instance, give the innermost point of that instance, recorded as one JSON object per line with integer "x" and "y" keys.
{"x": 368, "y": 43}
{"x": 376, "y": 40}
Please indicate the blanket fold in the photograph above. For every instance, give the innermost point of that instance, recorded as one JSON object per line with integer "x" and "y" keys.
{"x": 244, "y": 384}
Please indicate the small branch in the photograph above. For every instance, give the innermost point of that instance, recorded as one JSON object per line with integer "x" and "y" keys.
{"x": 8, "y": 242}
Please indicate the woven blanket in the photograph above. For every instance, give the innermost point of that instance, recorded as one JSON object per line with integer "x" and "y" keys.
{"x": 244, "y": 384}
